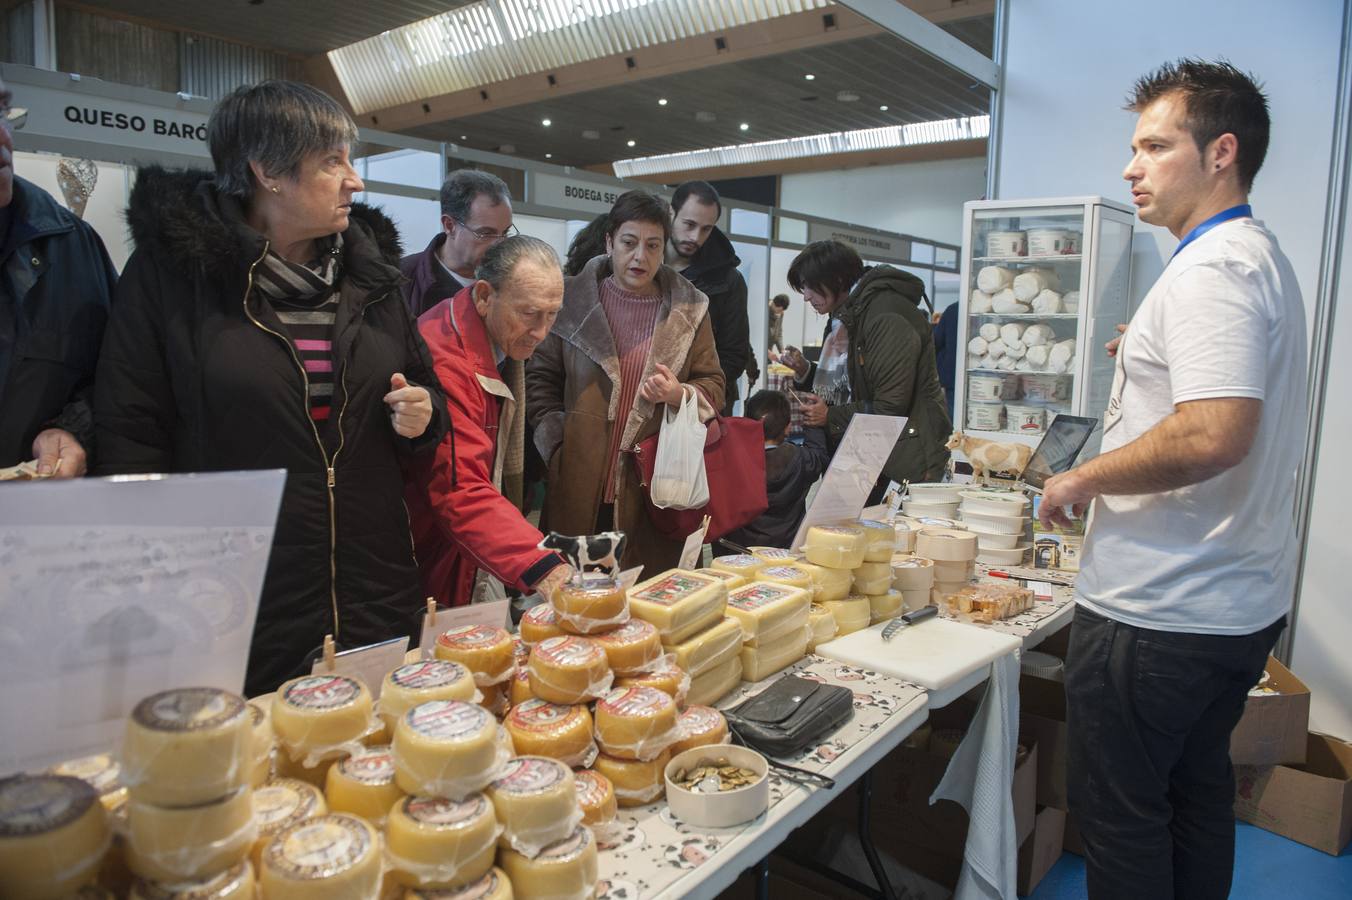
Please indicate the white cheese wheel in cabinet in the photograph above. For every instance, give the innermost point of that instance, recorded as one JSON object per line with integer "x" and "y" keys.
{"x": 187, "y": 746}
{"x": 53, "y": 836}
{"x": 837, "y": 546}
{"x": 332, "y": 857}
{"x": 434, "y": 842}
{"x": 567, "y": 870}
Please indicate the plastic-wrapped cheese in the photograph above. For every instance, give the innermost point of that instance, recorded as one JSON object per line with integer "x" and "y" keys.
{"x": 741, "y": 564}
{"x": 434, "y": 842}
{"x": 53, "y": 836}
{"x": 179, "y": 843}
{"x": 569, "y": 670}
{"x": 235, "y": 883}
{"x": 536, "y": 802}
{"x": 712, "y": 685}
{"x": 363, "y": 784}
{"x": 912, "y": 573}
{"x": 635, "y": 782}
{"x": 837, "y": 546}
{"x": 827, "y": 583}
{"x": 946, "y": 545}
{"x": 414, "y": 683}
{"x": 493, "y": 886}
{"x": 595, "y": 797}
{"x": 631, "y": 648}
{"x": 101, "y": 772}
{"x": 263, "y": 743}
{"x": 446, "y": 748}
{"x": 701, "y": 652}
{"x": 873, "y": 578}
{"x": 763, "y": 661}
{"x": 667, "y": 678}
{"x": 767, "y": 611}
{"x": 333, "y": 857}
{"x": 597, "y": 604}
{"x": 635, "y": 723}
{"x": 776, "y": 556}
{"x": 728, "y": 578}
{"x": 318, "y": 712}
{"x": 885, "y": 606}
{"x": 680, "y": 603}
{"x": 566, "y": 870}
{"x": 317, "y": 775}
{"x": 872, "y": 588}
{"x": 278, "y": 805}
{"x": 880, "y": 541}
{"x": 851, "y": 614}
{"x": 486, "y": 650}
{"x": 187, "y": 746}
{"x": 539, "y": 622}
{"x": 701, "y": 725}
{"x": 541, "y": 728}
{"x": 821, "y": 626}
{"x": 793, "y": 576}
{"x": 518, "y": 690}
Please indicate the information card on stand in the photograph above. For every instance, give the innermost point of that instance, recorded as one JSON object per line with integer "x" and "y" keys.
{"x": 854, "y": 470}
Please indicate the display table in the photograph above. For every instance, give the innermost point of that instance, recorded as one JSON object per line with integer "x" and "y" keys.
{"x": 657, "y": 856}
{"x": 1037, "y": 624}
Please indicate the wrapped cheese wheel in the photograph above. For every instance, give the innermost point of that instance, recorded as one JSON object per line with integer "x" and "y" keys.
{"x": 776, "y": 556}
{"x": 872, "y": 571}
{"x": 101, "y": 772}
{"x": 235, "y": 883}
{"x": 187, "y": 746}
{"x": 519, "y": 689}
{"x": 539, "y": 622}
{"x": 872, "y": 588}
{"x": 669, "y": 679}
{"x": 595, "y": 797}
{"x": 569, "y": 670}
{"x": 821, "y": 626}
{"x": 912, "y": 573}
{"x": 761, "y": 662}
{"x": 978, "y": 302}
{"x": 679, "y": 603}
{"x": 433, "y": 842}
{"x": 414, "y": 683}
{"x": 994, "y": 278}
{"x": 1031, "y": 282}
{"x": 712, "y": 685}
{"x": 701, "y": 652}
{"x": 446, "y": 748}
{"x": 741, "y": 564}
{"x": 728, "y": 578}
{"x": 597, "y": 604}
{"x": 635, "y": 782}
{"x": 851, "y": 614}
{"x": 278, "y": 805}
{"x": 53, "y": 836}
{"x": 828, "y": 583}
{"x": 793, "y": 576}
{"x": 493, "y": 886}
{"x": 541, "y": 728}
{"x": 701, "y": 725}
{"x": 332, "y": 857}
{"x": 363, "y": 784}
{"x": 635, "y": 723}
{"x": 885, "y": 606}
{"x": 837, "y": 546}
{"x": 944, "y": 545}
{"x": 880, "y": 541}
{"x": 263, "y": 743}
{"x": 536, "y": 802}
{"x": 767, "y": 611}
{"x": 180, "y": 843}
{"x": 316, "y": 713}
{"x": 633, "y": 647}
{"x": 977, "y": 345}
{"x": 486, "y": 650}
{"x": 566, "y": 870}
{"x": 905, "y": 530}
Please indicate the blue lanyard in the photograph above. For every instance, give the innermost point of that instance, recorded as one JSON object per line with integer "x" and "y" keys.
{"x": 1234, "y": 212}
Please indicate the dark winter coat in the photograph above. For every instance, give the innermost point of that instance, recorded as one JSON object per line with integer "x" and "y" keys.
{"x": 713, "y": 269}
{"x": 790, "y": 471}
{"x": 427, "y": 281}
{"x": 196, "y": 375}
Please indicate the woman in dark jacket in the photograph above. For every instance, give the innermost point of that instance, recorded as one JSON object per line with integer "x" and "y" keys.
{"x": 258, "y": 325}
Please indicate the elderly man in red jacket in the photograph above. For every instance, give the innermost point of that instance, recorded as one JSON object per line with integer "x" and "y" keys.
{"x": 465, "y": 505}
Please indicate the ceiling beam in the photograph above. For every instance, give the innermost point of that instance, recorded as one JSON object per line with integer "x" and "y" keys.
{"x": 918, "y": 31}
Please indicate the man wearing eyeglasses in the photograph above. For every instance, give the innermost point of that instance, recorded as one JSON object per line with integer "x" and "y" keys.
{"x": 56, "y": 283}
{"x": 476, "y": 213}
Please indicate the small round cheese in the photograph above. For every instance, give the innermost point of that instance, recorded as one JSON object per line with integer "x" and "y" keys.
{"x": 493, "y": 886}
{"x": 541, "y": 728}
{"x": 363, "y": 784}
{"x": 316, "y": 712}
{"x": 635, "y": 722}
{"x": 53, "y": 836}
{"x": 333, "y": 857}
{"x": 536, "y": 802}
{"x": 597, "y": 604}
{"x": 886, "y": 606}
{"x": 539, "y": 622}
{"x": 441, "y": 843}
{"x": 700, "y": 726}
{"x": 179, "y": 843}
{"x": 828, "y": 583}
{"x": 235, "y": 883}
{"x": 518, "y": 689}
{"x": 712, "y": 685}
{"x": 278, "y": 805}
{"x": 631, "y": 648}
{"x": 486, "y": 650}
{"x": 851, "y": 614}
{"x": 101, "y": 772}
{"x": 821, "y": 626}
{"x": 564, "y": 870}
{"x": 742, "y": 564}
{"x": 669, "y": 679}
{"x": 635, "y": 782}
{"x": 701, "y": 652}
{"x": 946, "y": 545}
{"x": 775, "y": 556}
{"x": 187, "y": 746}
{"x": 837, "y": 546}
{"x": 793, "y": 576}
{"x": 445, "y": 748}
{"x": 880, "y": 541}
{"x": 414, "y": 683}
{"x": 912, "y": 573}
{"x": 568, "y": 670}
{"x": 595, "y": 797}
{"x": 873, "y": 586}
{"x": 728, "y": 578}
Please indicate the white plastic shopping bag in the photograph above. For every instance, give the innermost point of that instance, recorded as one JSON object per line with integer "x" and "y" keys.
{"x": 679, "y": 481}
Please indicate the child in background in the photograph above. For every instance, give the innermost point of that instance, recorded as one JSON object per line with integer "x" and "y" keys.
{"x": 790, "y": 470}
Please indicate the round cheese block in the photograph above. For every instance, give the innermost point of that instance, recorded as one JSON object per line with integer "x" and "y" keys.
{"x": 635, "y": 722}
{"x": 235, "y": 883}
{"x": 518, "y": 689}
{"x": 742, "y": 564}
{"x": 315, "y": 712}
{"x": 828, "y": 583}
{"x": 873, "y": 586}
{"x": 101, "y": 772}
{"x": 821, "y": 626}
{"x": 668, "y": 678}
{"x": 333, "y": 857}
{"x": 179, "y": 843}
{"x": 414, "y": 683}
{"x": 486, "y": 650}
{"x": 568, "y": 670}
{"x": 493, "y": 886}
{"x": 851, "y": 614}
{"x": 635, "y": 782}
{"x": 905, "y": 532}
{"x": 633, "y": 647}
{"x": 912, "y": 573}
{"x": 445, "y": 748}
{"x": 363, "y": 784}
{"x": 946, "y": 545}
{"x": 53, "y": 836}
{"x": 264, "y": 742}
{"x": 539, "y": 622}
{"x": 886, "y": 606}
{"x": 536, "y": 802}
{"x": 701, "y": 652}
{"x": 566, "y": 869}
{"x": 597, "y": 604}
{"x": 872, "y": 571}
{"x": 541, "y": 728}
{"x": 278, "y": 805}
{"x": 711, "y": 685}
{"x": 880, "y": 541}
{"x": 837, "y": 546}
{"x": 595, "y": 797}
{"x": 727, "y": 578}
{"x": 187, "y": 746}
{"x": 441, "y": 843}
{"x": 775, "y": 556}
{"x": 700, "y": 726}
{"x": 788, "y": 574}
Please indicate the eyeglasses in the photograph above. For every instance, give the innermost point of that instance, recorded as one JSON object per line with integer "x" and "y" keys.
{"x": 14, "y": 116}
{"x": 486, "y": 235}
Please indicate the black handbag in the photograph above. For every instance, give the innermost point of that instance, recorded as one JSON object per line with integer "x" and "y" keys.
{"x": 789, "y": 716}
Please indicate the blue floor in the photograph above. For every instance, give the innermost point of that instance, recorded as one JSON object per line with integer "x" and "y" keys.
{"x": 1266, "y": 866}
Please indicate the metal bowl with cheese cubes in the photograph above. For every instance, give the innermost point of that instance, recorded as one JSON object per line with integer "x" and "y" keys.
{"x": 718, "y": 785}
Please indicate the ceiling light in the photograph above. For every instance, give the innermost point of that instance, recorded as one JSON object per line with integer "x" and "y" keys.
{"x": 464, "y": 137}
{"x": 546, "y": 122}
{"x": 883, "y": 108}
{"x": 629, "y": 143}
{"x": 549, "y": 156}
{"x": 662, "y": 102}
{"x": 847, "y": 96}
{"x": 809, "y": 76}
{"x": 744, "y": 126}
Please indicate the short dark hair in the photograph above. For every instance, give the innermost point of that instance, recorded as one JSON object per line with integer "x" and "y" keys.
{"x": 587, "y": 244}
{"x": 780, "y": 300}
{"x": 703, "y": 191}
{"x": 639, "y": 206}
{"x": 772, "y": 408}
{"x": 276, "y": 124}
{"x": 463, "y": 185}
{"x": 1219, "y": 99}
{"x": 828, "y": 266}
{"x": 503, "y": 257}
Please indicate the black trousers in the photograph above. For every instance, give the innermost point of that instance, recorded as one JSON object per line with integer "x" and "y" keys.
{"x": 1149, "y": 716}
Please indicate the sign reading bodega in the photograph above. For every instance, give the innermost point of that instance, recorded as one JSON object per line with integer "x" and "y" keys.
{"x": 122, "y": 121}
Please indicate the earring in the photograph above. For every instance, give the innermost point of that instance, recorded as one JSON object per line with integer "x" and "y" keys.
{"x": 277, "y": 190}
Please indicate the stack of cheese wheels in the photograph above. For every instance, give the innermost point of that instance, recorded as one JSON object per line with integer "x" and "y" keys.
{"x": 774, "y": 620}
{"x": 279, "y": 804}
{"x": 839, "y": 552}
{"x": 54, "y": 834}
{"x": 914, "y": 577}
{"x": 594, "y": 603}
{"x": 953, "y": 553}
{"x": 363, "y": 784}
{"x": 418, "y": 682}
{"x": 700, "y": 726}
{"x": 446, "y": 748}
{"x": 536, "y": 802}
{"x": 566, "y": 869}
{"x": 821, "y": 626}
{"x": 539, "y": 622}
{"x": 235, "y": 883}
{"x": 569, "y": 669}
{"x": 487, "y": 651}
{"x": 596, "y": 798}
{"x": 852, "y": 614}
{"x": 873, "y": 577}
{"x": 436, "y": 843}
{"x": 322, "y": 858}
{"x": 540, "y": 728}
{"x": 635, "y": 728}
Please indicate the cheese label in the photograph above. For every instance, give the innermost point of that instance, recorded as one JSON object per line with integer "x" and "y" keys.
{"x": 713, "y": 573}
{"x": 701, "y": 720}
{"x": 279, "y": 803}
{"x": 530, "y": 775}
{"x": 570, "y": 847}
{"x": 637, "y": 700}
{"x": 470, "y": 637}
{"x": 432, "y": 673}
{"x": 591, "y": 789}
{"x": 570, "y": 650}
{"x": 442, "y": 813}
{"x": 188, "y": 709}
{"x": 38, "y": 804}
{"x": 673, "y": 589}
{"x": 488, "y": 886}
{"x": 322, "y": 692}
{"x": 541, "y": 614}
{"x": 774, "y": 553}
{"x": 757, "y": 596}
{"x": 223, "y": 885}
{"x": 447, "y": 720}
{"x": 520, "y": 649}
{"x": 784, "y": 572}
{"x": 375, "y": 766}
{"x": 541, "y": 715}
{"x": 100, "y": 772}
{"x": 320, "y": 848}
{"x": 741, "y": 560}
{"x": 630, "y": 632}
{"x": 838, "y": 529}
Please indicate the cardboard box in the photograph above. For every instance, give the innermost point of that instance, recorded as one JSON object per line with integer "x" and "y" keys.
{"x": 1040, "y": 852}
{"x": 1042, "y": 719}
{"x": 1273, "y": 728}
{"x": 1073, "y": 843}
{"x": 1310, "y": 803}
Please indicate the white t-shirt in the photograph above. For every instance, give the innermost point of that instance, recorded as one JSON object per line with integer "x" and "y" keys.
{"x": 1225, "y": 319}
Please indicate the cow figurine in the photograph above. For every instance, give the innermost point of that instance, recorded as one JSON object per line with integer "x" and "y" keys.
{"x": 990, "y": 456}
{"x": 588, "y": 553}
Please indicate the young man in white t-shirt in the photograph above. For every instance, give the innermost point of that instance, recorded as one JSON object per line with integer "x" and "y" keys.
{"x": 1190, "y": 560}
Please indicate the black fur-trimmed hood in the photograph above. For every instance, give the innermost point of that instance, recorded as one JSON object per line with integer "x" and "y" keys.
{"x": 179, "y": 214}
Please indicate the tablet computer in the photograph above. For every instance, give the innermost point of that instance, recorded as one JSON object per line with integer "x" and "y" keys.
{"x": 1059, "y": 449}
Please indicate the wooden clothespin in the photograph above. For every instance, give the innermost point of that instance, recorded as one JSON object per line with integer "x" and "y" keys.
{"x": 330, "y": 652}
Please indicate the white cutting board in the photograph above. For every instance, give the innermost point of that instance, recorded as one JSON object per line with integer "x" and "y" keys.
{"x": 946, "y": 658}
